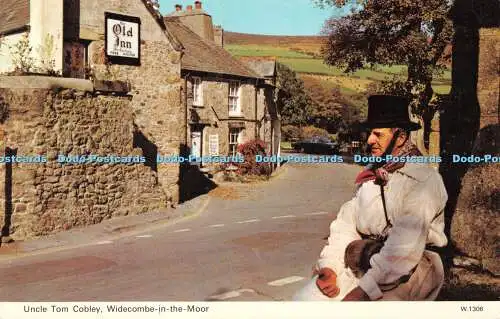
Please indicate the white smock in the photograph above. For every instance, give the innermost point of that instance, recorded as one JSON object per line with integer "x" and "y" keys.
{"x": 415, "y": 200}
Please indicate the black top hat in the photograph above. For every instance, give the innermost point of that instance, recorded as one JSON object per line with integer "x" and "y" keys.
{"x": 389, "y": 111}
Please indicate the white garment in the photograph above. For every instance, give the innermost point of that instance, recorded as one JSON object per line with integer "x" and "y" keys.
{"x": 415, "y": 200}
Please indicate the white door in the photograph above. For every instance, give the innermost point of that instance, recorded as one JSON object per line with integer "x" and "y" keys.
{"x": 196, "y": 144}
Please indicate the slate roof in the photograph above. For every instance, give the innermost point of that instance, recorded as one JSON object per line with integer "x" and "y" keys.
{"x": 14, "y": 15}
{"x": 203, "y": 55}
{"x": 263, "y": 67}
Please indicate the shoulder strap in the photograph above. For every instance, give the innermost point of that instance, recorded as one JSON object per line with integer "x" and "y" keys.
{"x": 388, "y": 222}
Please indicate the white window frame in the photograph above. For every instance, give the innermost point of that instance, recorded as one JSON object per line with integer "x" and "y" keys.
{"x": 197, "y": 91}
{"x": 234, "y": 140}
{"x": 234, "y": 98}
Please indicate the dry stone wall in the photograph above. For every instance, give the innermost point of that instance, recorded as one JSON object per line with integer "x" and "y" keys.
{"x": 156, "y": 84}
{"x": 50, "y": 196}
{"x": 156, "y": 90}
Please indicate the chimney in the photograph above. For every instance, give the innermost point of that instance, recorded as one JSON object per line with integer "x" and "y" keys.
{"x": 189, "y": 8}
{"x": 178, "y": 7}
{"x": 197, "y": 5}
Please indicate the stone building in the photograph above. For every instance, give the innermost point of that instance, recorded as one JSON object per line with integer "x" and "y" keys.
{"x": 128, "y": 100}
{"x": 228, "y": 101}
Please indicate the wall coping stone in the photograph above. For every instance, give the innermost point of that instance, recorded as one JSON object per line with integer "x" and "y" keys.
{"x": 112, "y": 86}
{"x": 48, "y": 82}
{"x": 44, "y": 82}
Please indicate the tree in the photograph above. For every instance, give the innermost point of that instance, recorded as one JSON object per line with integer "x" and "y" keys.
{"x": 292, "y": 100}
{"x": 390, "y": 32}
{"x": 330, "y": 110}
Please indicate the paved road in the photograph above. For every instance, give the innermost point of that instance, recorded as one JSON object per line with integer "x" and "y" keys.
{"x": 252, "y": 242}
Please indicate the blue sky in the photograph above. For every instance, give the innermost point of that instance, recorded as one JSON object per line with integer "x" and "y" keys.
{"x": 276, "y": 17}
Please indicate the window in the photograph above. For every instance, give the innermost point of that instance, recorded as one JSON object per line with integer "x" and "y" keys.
{"x": 234, "y": 140}
{"x": 234, "y": 98}
{"x": 197, "y": 92}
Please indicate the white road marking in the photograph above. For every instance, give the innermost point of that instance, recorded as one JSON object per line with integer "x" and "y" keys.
{"x": 217, "y": 225}
{"x": 144, "y": 236}
{"x": 317, "y": 213}
{"x": 249, "y": 221}
{"x": 285, "y": 216}
{"x": 182, "y": 230}
{"x": 105, "y": 242}
{"x": 285, "y": 281}
{"x": 231, "y": 294}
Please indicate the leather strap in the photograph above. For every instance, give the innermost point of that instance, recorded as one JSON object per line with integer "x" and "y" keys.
{"x": 387, "y": 221}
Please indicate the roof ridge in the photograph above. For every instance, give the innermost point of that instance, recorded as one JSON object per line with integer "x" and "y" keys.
{"x": 159, "y": 19}
{"x": 212, "y": 45}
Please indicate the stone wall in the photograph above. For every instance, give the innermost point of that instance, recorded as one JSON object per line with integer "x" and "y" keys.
{"x": 488, "y": 74}
{"x": 157, "y": 102}
{"x": 48, "y": 197}
{"x": 92, "y": 17}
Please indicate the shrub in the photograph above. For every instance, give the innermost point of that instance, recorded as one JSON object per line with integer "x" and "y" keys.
{"x": 333, "y": 137}
{"x": 290, "y": 133}
{"x": 310, "y": 131}
{"x": 250, "y": 166}
{"x": 20, "y": 54}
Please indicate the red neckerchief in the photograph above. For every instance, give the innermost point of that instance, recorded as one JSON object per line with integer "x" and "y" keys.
{"x": 381, "y": 174}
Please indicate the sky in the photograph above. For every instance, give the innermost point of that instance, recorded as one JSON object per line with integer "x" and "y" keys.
{"x": 273, "y": 17}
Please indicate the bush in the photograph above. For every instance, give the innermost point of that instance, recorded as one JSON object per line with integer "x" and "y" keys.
{"x": 290, "y": 133}
{"x": 249, "y": 150}
{"x": 310, "y": 131}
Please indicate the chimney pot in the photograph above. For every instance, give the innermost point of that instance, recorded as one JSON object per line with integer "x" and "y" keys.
{"x": 178, "y": 7}
{"x": 189, "y": 8}
{"x": 197, "y": 5}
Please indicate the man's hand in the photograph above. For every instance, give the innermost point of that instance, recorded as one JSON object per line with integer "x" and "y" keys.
{"x": 357, "y": 294}
{"x": 327, "y": 282}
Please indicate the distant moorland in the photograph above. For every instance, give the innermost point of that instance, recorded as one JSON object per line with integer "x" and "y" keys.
{"x": 303, "y": 55}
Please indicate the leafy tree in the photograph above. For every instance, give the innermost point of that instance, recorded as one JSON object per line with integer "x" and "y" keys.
{"x": 292, "y": 100}
{"x": 327, "y": 105}
{"x": 392, "y": 32}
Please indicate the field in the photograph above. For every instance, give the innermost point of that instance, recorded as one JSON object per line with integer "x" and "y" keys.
{"x": 303, "y": 55}
{"x": 309, "y": 44}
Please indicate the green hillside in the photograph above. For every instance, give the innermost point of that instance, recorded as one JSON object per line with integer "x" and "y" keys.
{"x": 302, "y": 61}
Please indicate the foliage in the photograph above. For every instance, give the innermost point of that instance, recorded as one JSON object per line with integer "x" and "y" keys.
{"x": 46, "y": 53}
{"x": 333, "y": 108}
{"x": 4, "y": 110}
{"x": 259, "y": 50}
{"x": 392, "y": 32}
{"x": 290, "y": 133}
{"x": 292, "y": 100}
{"x": 311, "y": 131}
{"x": 250, "y": 166}
{"x": 20, "y": 54}
{"x": 327, "y": 106}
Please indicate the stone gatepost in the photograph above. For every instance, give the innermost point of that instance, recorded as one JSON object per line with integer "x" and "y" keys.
{"x": 488, "y": 91}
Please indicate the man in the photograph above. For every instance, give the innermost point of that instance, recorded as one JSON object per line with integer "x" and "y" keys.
{"x": 378, "y": 248}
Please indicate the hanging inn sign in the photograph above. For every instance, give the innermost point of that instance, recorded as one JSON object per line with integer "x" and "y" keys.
{"x": 123, "y": 38}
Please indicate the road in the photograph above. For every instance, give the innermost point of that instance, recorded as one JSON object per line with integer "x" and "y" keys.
{"x": 252, "y": 242}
